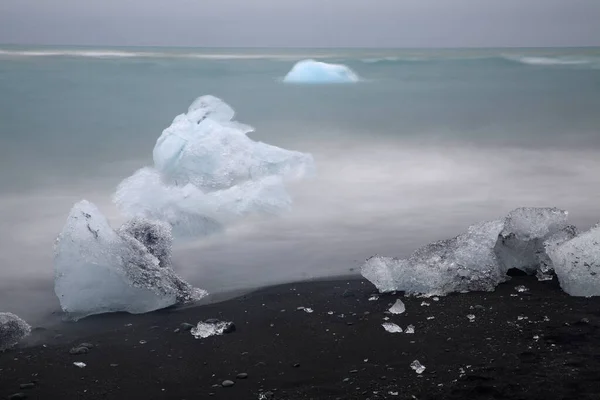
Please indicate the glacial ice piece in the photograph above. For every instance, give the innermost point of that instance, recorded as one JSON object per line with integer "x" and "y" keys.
{"x": 391, "y": 327}
{"x": 12, "y": 330}
{"x": 100, "y": 270}
{"x": 410, "y": 329}
{"x": 208, "y": 172}
{"x": 192, "y": 212}
{"x": 311, "y": 71}
{"x": 521, "y": 242}
{"x": 205, "y": 148}
{"x": 417, "y": 367}
{"x": 544, "y": 272}
{"x": 398, "y": 307}
{"x": 211, "y": 328}
{"x": 577, "y": 264}
{"x": 464, "y": 263}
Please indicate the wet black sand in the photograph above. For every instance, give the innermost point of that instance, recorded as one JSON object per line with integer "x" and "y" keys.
{"x": 541, "y": 344}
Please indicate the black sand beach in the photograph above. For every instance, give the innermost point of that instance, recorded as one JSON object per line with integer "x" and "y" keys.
{"x": 539, "y": 344}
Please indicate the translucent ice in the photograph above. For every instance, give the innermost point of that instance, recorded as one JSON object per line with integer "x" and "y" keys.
{"x": 417, "y": 367}
{"x": 100, "y": 270}
{"x": 577, "y": 263}
{"x": 391, "y": 327}
{"x": 521, "y": 242}
{"x": 208, "y": 172}
{"x": 12, "y": 330}
{"x": 210, "y": 328}
{"x": 311, "y": 71}
{"x": 398, "y": 307}
{"x": 464, "y": 263}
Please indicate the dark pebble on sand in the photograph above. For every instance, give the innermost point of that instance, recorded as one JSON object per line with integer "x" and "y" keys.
{"x": 79, "y": 350}
{"x": 27, "y": 385}
{"x": 296, "y": 365}
{"x": 186, "y": 327}
{"x": 229, "y": 328}
{"x": 88, "y": 345}
{"x": 242, "y": 375}
{"x": 228, "y": 383}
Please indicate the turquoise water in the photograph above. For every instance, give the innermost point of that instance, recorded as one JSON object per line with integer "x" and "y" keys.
{"x": 428, "y": 142}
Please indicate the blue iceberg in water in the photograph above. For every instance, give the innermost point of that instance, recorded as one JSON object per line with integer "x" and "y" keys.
{"x": 208, "y": 173}
{"x": 311, "y": 71}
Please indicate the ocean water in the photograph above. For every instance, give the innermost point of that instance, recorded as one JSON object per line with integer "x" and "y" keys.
{"x": 428, "y": 142}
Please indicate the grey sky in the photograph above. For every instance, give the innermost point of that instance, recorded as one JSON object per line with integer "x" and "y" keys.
{"x": 309, "y": 23}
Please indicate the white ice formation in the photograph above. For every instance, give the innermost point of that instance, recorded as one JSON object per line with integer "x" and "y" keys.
{"x": 100, "y": 270}
{"x": 12, "y": 330}
{"x": 311, "y": 71}
{"x": 464, "y": 263}
{"x": 207, "y": 173}
{"x": 577, "y": 263}
{"x": 534, "y": 240}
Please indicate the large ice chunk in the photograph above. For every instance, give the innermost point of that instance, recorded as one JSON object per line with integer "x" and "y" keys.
{"x": 208, "y": 173}
{"x": 100, "y": 270}
{"x": 311, "y": 71}
{"x": 464, "y": 263}
{"x": 12, "y": 330}
{"x": 205, "y": 148}
{"x": 193, "y": 212}
{"x": 521, "y": 242}
{"x": 577, "y": 263}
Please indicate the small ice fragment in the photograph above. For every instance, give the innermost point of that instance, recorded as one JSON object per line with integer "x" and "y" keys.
{"x": 424, "y": 304}
{"x": 398, "y": 307}
{"x": 471, "y": 318}
{"x": 330, "y": 312}
{"x": 417, "y": 367}
{"x": 374, "y": 298}
{"x": 410, "y": 329}
{"x": 546, "y": 319}
{"x": 386, "y": 318}
{"x": 305, "y": 309}
{"x": 436, "y": 298}
{"x": 521, "y": 289}
{"x": 520, "y": 318}
{"x": 79, "y": 364}
{"x": 143, "y": 342}
{"x": 207, "y": 329}
{"x": 430, "y": 318}
{"x": 391, "y": 327}
{"x": 536, "y": 337}
{"x": 393, "y": 393}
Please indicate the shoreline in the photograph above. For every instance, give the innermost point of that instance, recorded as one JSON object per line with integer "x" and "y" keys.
{"x": 536, "y": 344}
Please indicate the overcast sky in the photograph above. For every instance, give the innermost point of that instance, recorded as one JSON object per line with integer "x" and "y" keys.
{"x": 308, "y": 23}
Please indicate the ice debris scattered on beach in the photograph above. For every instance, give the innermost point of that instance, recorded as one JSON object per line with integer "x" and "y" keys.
{"x": 534, "y": 240}
{"x": 100, "y": 270}
{"x": 12, "y": 330}
{"x": 210, "y": 328}
{"x": 208, "y": 173}
{"x": 311, "y": 71}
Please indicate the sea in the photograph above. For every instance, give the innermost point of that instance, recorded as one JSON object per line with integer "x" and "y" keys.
{"x": 428, "y": 142}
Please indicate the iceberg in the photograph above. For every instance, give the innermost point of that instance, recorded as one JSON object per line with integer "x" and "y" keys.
{"x": 208, "y": 173}
{"x": 311, "y": 71}
{"x": 527, "y": 232}
{"x": 464, "y": 263}
{"x": 100, "y": 270}
{"x": 12, "y": 330}
{"x": 576, "y": 263}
